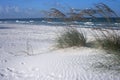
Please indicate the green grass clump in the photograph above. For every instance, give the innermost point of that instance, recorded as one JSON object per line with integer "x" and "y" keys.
{"x": 109, "y": 40}
{"x": 71, "y": 37}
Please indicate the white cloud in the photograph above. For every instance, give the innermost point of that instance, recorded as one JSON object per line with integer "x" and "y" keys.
{"x": 16, "y": 9}
{"x": 17, "y": 12}
{"x": 1, "y": 9}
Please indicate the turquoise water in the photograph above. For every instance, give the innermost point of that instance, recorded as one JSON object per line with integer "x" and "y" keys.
{"x": 88, "y": 22}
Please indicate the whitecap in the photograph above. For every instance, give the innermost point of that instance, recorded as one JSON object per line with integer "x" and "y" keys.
{"x": 88, "y": 23}
{"x": 31, "y": 21}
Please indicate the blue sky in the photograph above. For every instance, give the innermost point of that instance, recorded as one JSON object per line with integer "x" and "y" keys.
{"x": 33, "y": 8}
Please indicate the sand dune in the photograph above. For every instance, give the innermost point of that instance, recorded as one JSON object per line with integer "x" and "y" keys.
{"x": 27, "y": 53}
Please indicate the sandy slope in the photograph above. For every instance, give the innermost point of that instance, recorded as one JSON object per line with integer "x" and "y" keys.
{"x": 45, "y": 63}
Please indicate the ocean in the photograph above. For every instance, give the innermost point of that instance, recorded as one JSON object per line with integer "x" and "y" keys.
{"x": 86, "y": 22}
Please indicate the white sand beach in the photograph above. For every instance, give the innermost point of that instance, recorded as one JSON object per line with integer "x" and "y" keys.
{"x": 27, "y": 52}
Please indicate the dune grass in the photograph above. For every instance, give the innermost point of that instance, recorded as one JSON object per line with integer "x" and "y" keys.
{"x": 71, "y": 37}
{"x": 109, "y": 40}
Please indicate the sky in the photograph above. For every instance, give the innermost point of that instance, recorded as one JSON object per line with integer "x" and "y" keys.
{"x": 34, "y": 8}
